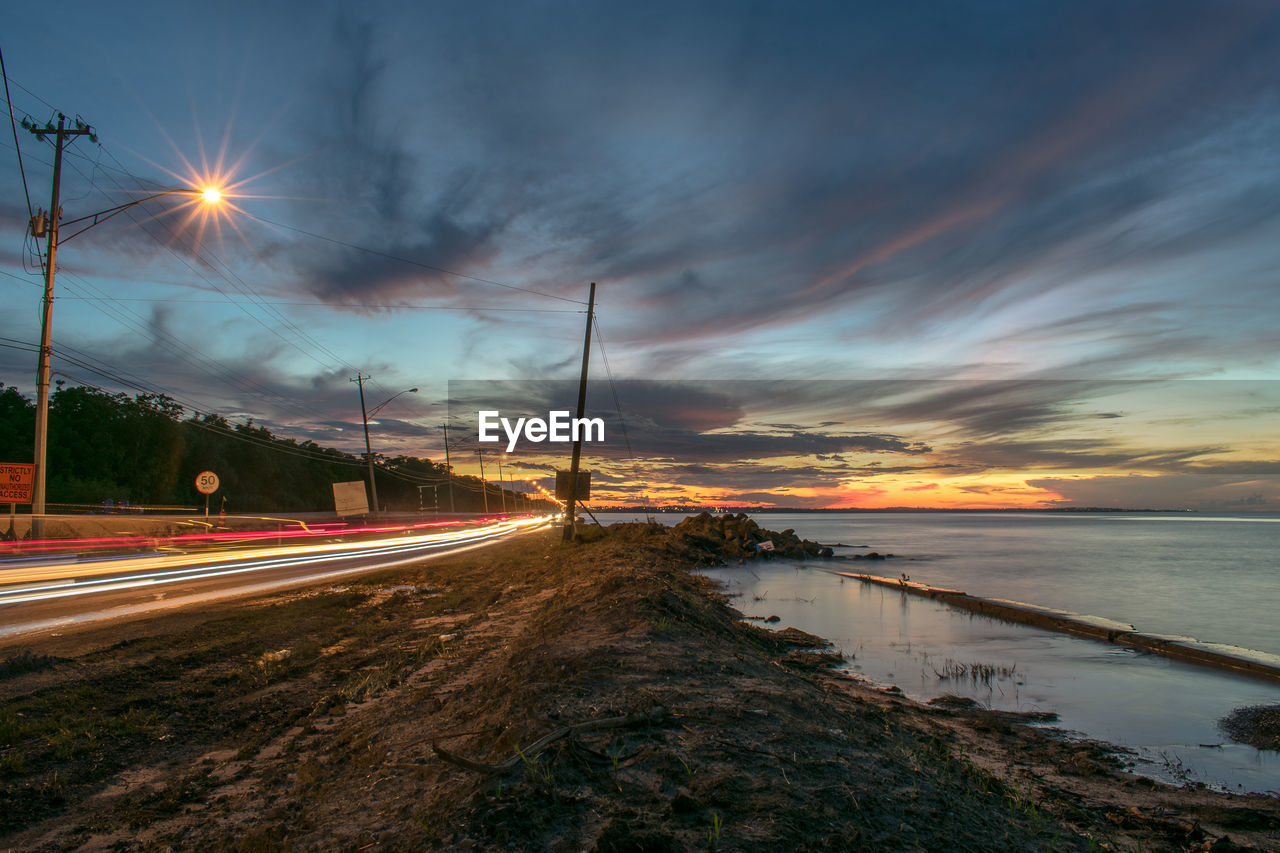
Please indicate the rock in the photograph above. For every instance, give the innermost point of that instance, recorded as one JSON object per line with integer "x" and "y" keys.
{"x": 802, "y": 639}
{"x": 774, "y": 618}
{"x": 807, "y": 659}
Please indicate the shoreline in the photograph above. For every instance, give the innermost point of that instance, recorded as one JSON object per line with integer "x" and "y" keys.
{"x": 318, "y": 718}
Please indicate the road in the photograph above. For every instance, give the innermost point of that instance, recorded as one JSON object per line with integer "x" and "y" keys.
{"x": 66, "y": 589}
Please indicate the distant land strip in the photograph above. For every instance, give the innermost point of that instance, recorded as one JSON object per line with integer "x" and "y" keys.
{"x": 752, "y": 510}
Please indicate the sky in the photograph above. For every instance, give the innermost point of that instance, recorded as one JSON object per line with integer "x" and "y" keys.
{"x": 942, "y": 254}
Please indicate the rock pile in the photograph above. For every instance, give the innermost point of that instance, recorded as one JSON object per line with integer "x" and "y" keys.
{"x": 739, "y": 536}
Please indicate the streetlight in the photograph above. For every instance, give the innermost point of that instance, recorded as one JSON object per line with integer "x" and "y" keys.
{"x": 41, "y": 226}
{"x": 368, "y": 451}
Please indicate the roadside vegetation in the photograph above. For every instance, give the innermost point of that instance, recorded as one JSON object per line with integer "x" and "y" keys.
{"x": 146, "y": 451}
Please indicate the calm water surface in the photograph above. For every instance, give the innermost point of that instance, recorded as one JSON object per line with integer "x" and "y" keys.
{"x": 1214, "y": 578}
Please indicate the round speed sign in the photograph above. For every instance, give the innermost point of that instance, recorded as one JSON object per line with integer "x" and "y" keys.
{"x": 207, "y": 483}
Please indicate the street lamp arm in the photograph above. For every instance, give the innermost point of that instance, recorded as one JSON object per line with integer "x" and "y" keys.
{"x": 368, "y": 449}
{"x": 380, "y": 406}
{"x": 103, "y": 215}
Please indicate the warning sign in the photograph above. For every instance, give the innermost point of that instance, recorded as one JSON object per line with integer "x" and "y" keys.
{"x": 15, "y": 482}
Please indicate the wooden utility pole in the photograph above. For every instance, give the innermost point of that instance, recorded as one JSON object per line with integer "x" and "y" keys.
{"x": 369, "y": 454}
{"x": 484, "y": 487}
{"x": 448, "y": 469}
{"x": 60, "y": 134}
{"x": 570, "y": 510}
{"x": 501, "y": 492}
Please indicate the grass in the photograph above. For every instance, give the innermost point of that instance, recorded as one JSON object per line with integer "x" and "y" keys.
{"x": 538, "y": 770}
{"x": 713, "y": 835}
{"x": 1023, "y": 801}
{"x": 976, "y": 673}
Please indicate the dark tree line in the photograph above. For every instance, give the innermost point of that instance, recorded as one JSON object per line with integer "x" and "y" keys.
{"x": 147, "y": 451}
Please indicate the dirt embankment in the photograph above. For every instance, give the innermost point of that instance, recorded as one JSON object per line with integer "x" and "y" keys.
{"x": 535, "y": 696}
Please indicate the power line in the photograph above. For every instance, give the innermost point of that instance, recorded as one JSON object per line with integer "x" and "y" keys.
{"x": 226, "y": 274}
{"x": 626, "y": 438}
{"x": 34, "y": 95}
{"x": 16, "y": 146}
{"x": 137, "y": 384}
{"x": 20, "y": 346}
{"x": 299, "y": 303}
{"x": 231, "y": 278}
{"x": 270, "y": 306}
{"x": 614, "y": 389}
{"x": 139, "y": 325}
{"x": 234, "y": 281}
{"x": 273, "y": 444}
{"x": 106, "y": 371}
{"x": 21, "y": 279}
{"x": 110, "y": 306}
{"x": 224, "y": 271}
{"x": 123, "y": 315}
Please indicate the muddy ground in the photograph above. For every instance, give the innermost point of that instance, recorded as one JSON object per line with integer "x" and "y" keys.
{"x": 536, "y": 696}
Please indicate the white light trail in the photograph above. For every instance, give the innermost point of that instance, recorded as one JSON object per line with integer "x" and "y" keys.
{"x": 188, "y": 567}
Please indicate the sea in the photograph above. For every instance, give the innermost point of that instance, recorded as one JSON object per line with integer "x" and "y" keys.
{"x": 1214, "y": 578}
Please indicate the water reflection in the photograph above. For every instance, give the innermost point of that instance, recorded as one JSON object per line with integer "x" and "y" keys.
{"x": 1166, "y": 710}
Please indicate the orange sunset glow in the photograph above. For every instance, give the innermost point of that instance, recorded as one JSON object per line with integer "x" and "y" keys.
{"x": 935, "y": 445}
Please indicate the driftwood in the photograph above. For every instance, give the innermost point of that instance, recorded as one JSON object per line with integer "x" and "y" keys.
{"x": 650, "y": 716}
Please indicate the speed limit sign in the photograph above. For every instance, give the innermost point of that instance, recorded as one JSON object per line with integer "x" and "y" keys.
{"x": 207, "y": 483}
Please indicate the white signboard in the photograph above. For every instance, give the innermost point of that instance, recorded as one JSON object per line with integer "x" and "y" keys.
{"x": 350, "y": 498}
{"x": 206, "y": 482}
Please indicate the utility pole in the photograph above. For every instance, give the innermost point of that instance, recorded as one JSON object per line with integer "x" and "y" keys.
{"x": 368, "y": 451}
{"x": 448, "y": 469}
{"x": 484, "y": 487}
{"x": 38, "y": 226}
{"x": 570, "y": 512}
{"x": 501, "y": 491}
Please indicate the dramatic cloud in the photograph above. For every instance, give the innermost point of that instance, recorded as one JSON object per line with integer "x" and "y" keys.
{"x": 994, "y": 440}
{"x": 1171, "y": 491}
{"x": 956, "y": 205}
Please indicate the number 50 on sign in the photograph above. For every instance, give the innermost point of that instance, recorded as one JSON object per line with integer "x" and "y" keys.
{"x": 207, "y": 483}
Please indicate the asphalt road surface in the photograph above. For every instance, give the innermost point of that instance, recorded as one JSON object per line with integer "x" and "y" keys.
{"x": 62, "y": 590}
